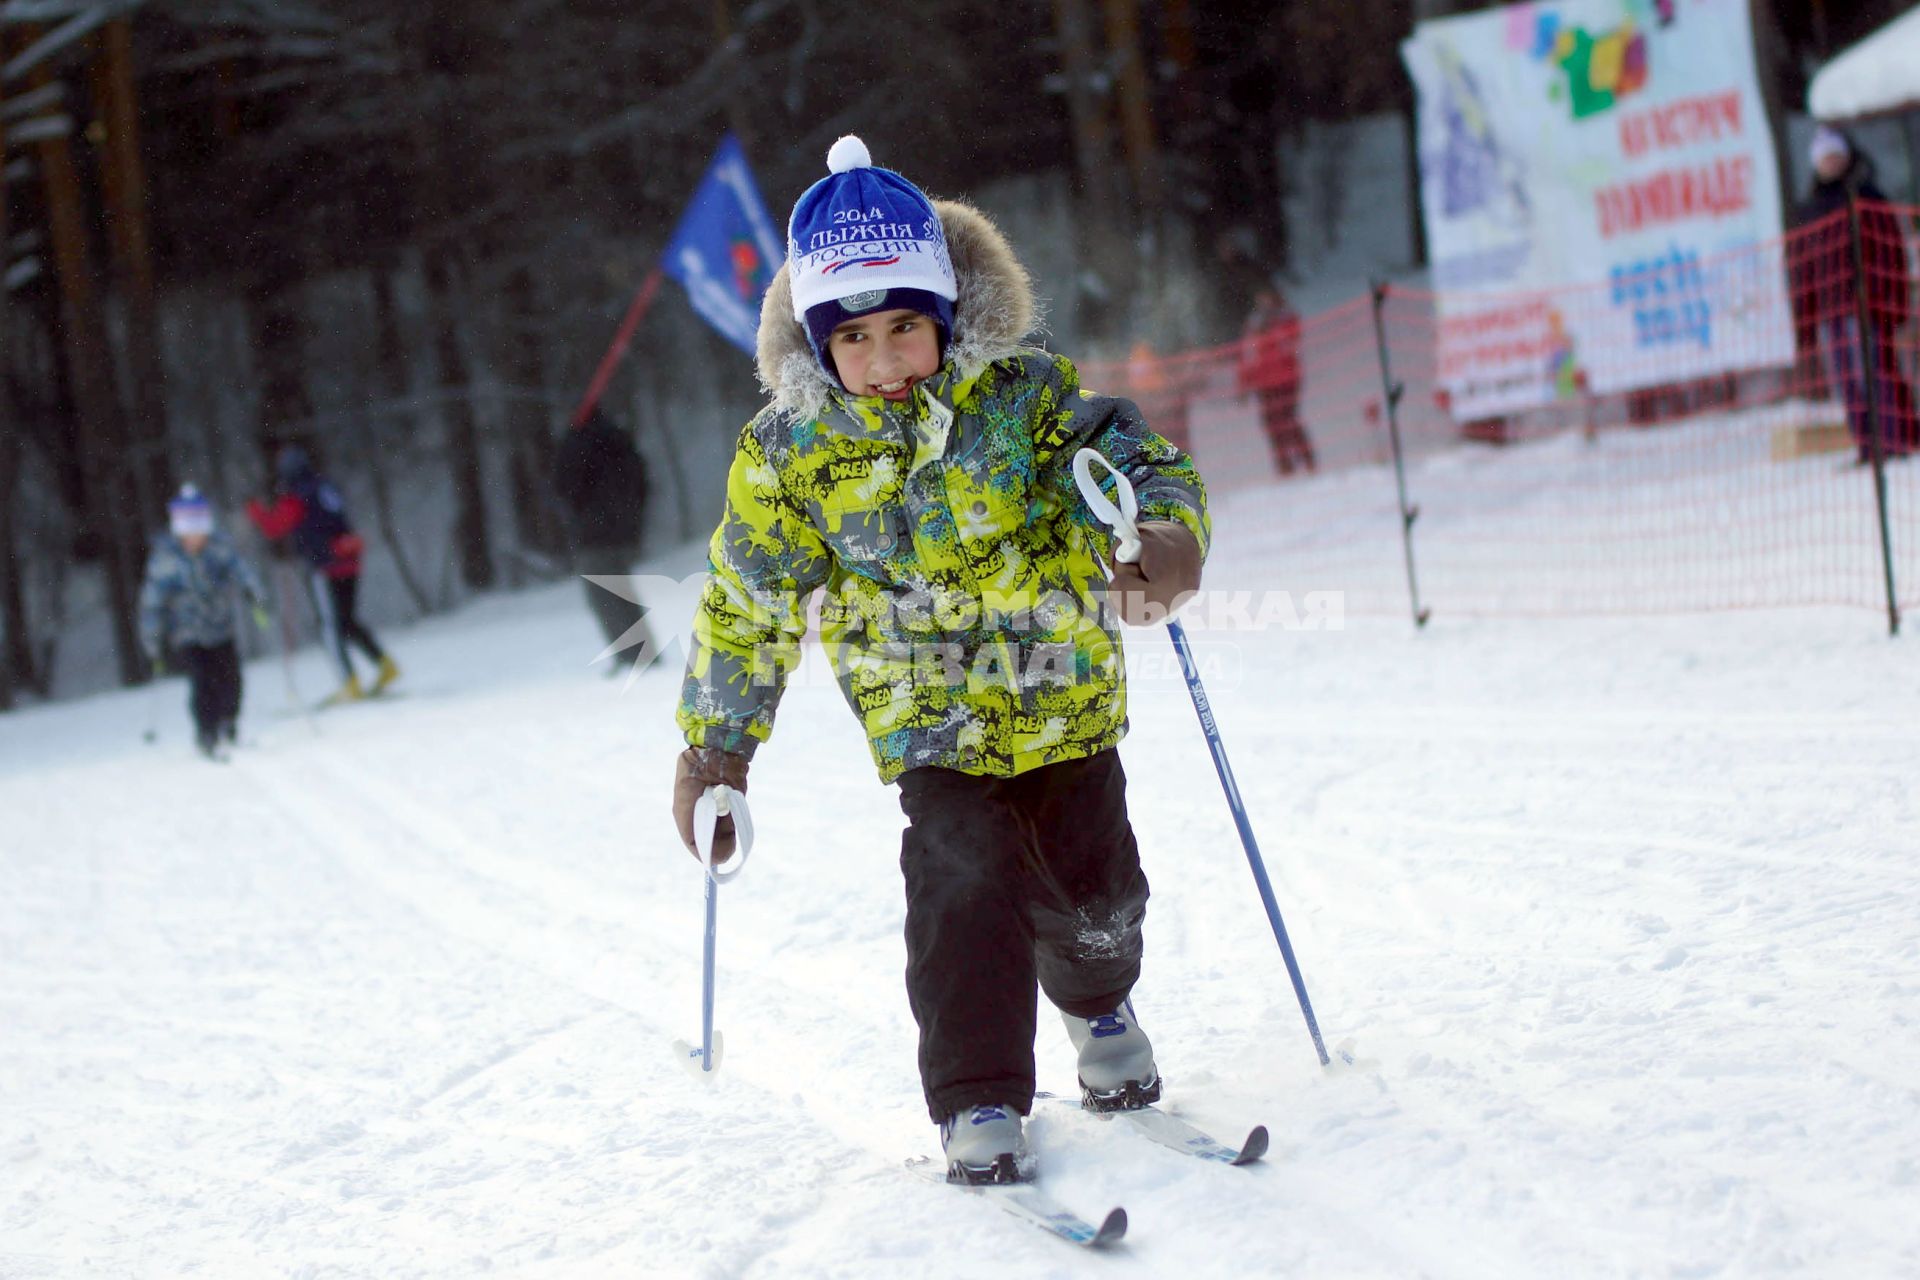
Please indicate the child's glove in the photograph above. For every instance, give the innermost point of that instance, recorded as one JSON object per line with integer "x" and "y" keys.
{"x": 697, "y": 769}
{"x": 261, "y": 618}
{"x": 1164, "y": 577}
{"x": 157, "y": 663}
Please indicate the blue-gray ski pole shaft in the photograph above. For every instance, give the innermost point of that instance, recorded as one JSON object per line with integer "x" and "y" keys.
{"x": 706, "y": 975}
{"x": 1120, "y": 516}
{"x": 714, "y": 803}
{"x": 1178, "y": 635}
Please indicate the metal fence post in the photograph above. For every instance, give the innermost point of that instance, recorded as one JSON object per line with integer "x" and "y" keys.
{"x": 1869, "y": 357}
{"x": 1393, "y": 391}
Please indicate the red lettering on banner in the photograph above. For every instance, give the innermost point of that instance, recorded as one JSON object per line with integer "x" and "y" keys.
{"x": 1633, "y": 136}
{"x": 1717, "y": 188}
{"x": 1498, "y": 337}
{"x": 1687, "y": 122}
{"x": 1459, "y": 362}
{"x": 1492, "y": 320}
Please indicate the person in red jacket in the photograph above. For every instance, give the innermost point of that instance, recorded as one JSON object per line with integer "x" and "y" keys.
{"x": 1270, "y": 368}
{"x": 309, "y": 509}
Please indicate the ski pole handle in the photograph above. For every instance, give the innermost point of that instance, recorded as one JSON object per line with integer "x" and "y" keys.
{"x": 715, "y": 803}
{"x": 1121, "y": 517}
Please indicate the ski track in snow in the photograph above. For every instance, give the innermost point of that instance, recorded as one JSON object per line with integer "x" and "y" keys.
{"x": 1617, "y": 915}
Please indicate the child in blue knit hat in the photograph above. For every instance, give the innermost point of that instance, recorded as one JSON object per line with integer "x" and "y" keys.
{"x": 915, "y": 461}
{"x": 195, "y": 579}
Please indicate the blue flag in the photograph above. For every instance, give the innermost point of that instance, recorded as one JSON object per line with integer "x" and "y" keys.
{"x": 725, "y": 251}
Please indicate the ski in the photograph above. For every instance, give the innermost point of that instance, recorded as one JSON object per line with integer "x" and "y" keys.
{"x": 334, "y": 702}
{"x": 1030, "y": 1204}
{"x": 1172, "y": 1132}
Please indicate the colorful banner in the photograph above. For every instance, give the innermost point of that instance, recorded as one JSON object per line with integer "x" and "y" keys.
{"x": 1598, "y": 180}
{"x": 725, "y": 250}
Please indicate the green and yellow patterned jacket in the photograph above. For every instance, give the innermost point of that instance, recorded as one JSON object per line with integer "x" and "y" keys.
{"x": 963, "y": 610}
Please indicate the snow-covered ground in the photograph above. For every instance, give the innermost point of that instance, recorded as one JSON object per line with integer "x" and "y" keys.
{"x": 1618, "y": 914}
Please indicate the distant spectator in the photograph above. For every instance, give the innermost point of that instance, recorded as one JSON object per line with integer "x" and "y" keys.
{"x": 602, "y": 480}
{"x": 1825, "y": 291}
{"x": 195, "y": 578}
{"x": 1270, "y": 368}
{"x": 1160, "y": 392}
{"x": 308, "y": 508}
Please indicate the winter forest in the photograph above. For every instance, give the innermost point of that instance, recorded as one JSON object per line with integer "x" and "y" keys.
{"x": 404, "y": 234}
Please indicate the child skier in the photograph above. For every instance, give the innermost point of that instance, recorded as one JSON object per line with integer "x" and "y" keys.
{"x": 309, "y": 507}
{"x": 194, "y": 575}
{"x": 916, "y": 461}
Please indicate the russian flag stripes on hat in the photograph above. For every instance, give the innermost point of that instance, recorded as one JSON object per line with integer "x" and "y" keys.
{"x": 864, "y": 239}
{"x": 188, "y": 513}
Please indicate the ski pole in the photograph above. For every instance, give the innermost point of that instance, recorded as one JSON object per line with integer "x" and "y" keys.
{"x": 703, "y": 1061}
{"x": 1121, "y": 518}
{"x": 280, "y": 576}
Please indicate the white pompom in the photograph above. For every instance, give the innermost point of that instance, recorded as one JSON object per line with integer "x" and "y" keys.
{"x": 848, "y": 153}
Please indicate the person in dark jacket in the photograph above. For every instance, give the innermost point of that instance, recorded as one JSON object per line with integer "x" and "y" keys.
{"x": 195, "y": 576}
{"x": 602, "y": 480}
{"x": 308, "y": 509}
{"x": 1826, "y": 291}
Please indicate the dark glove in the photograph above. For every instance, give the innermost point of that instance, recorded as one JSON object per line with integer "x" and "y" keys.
{"x": 1164, "y": 577}
{"x": 697, "y": 769}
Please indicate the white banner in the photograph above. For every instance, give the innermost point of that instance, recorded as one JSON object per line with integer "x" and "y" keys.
{"x": 1601, "y": 199}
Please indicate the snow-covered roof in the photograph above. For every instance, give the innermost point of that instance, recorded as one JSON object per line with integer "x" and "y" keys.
{"x": 1877, "y": 76}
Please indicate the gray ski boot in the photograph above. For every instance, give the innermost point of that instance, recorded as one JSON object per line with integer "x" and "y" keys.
{"x": 1116, "y": 1060}
{"x": 983, "y": 1144}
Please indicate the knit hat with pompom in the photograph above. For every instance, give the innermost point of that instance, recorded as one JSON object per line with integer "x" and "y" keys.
{"x": 861, "y": 240}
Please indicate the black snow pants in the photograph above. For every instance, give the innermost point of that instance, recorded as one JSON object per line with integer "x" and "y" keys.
{"x": 338, "y": 601}
{"x": 213, "y": 688}
{"x": 616, "y": 614}
{"x": 1012, "y": 881}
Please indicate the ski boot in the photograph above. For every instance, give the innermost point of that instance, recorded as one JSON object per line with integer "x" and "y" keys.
{"x": 208, "y": 742}
{"x": 389, "y": 672}
{"x": 348, "y": 692}
{"x": 983, "y": 1144}
{"x": 1116, "y": 1060}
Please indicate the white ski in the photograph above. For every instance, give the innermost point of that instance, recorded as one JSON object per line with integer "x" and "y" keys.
{"x": 1171, "y": 1131}
{"x": 1029, "y": 1203}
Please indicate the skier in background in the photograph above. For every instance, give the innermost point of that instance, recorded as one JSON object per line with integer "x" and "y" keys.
{"x": 1270, "y": 368}
{"x": 1825, "y": 291}
{"x": 309, "y": 508}
{"x": 916, "y": 453}
{"x": 602, "y": 480}
{"x": 195, "y": 577}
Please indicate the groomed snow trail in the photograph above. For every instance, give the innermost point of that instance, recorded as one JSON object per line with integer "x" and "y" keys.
{"x": 1619, "y": 913}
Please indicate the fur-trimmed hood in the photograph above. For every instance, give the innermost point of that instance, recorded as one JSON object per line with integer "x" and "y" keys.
{"x": 991, "y": 318}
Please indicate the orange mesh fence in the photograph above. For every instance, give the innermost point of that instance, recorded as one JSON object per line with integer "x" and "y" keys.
{"x": 1690, "y": 434}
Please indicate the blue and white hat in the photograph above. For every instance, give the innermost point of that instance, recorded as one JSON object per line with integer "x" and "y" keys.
{"x": 189, "y": 513}
{"x": 864, "y": 239}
